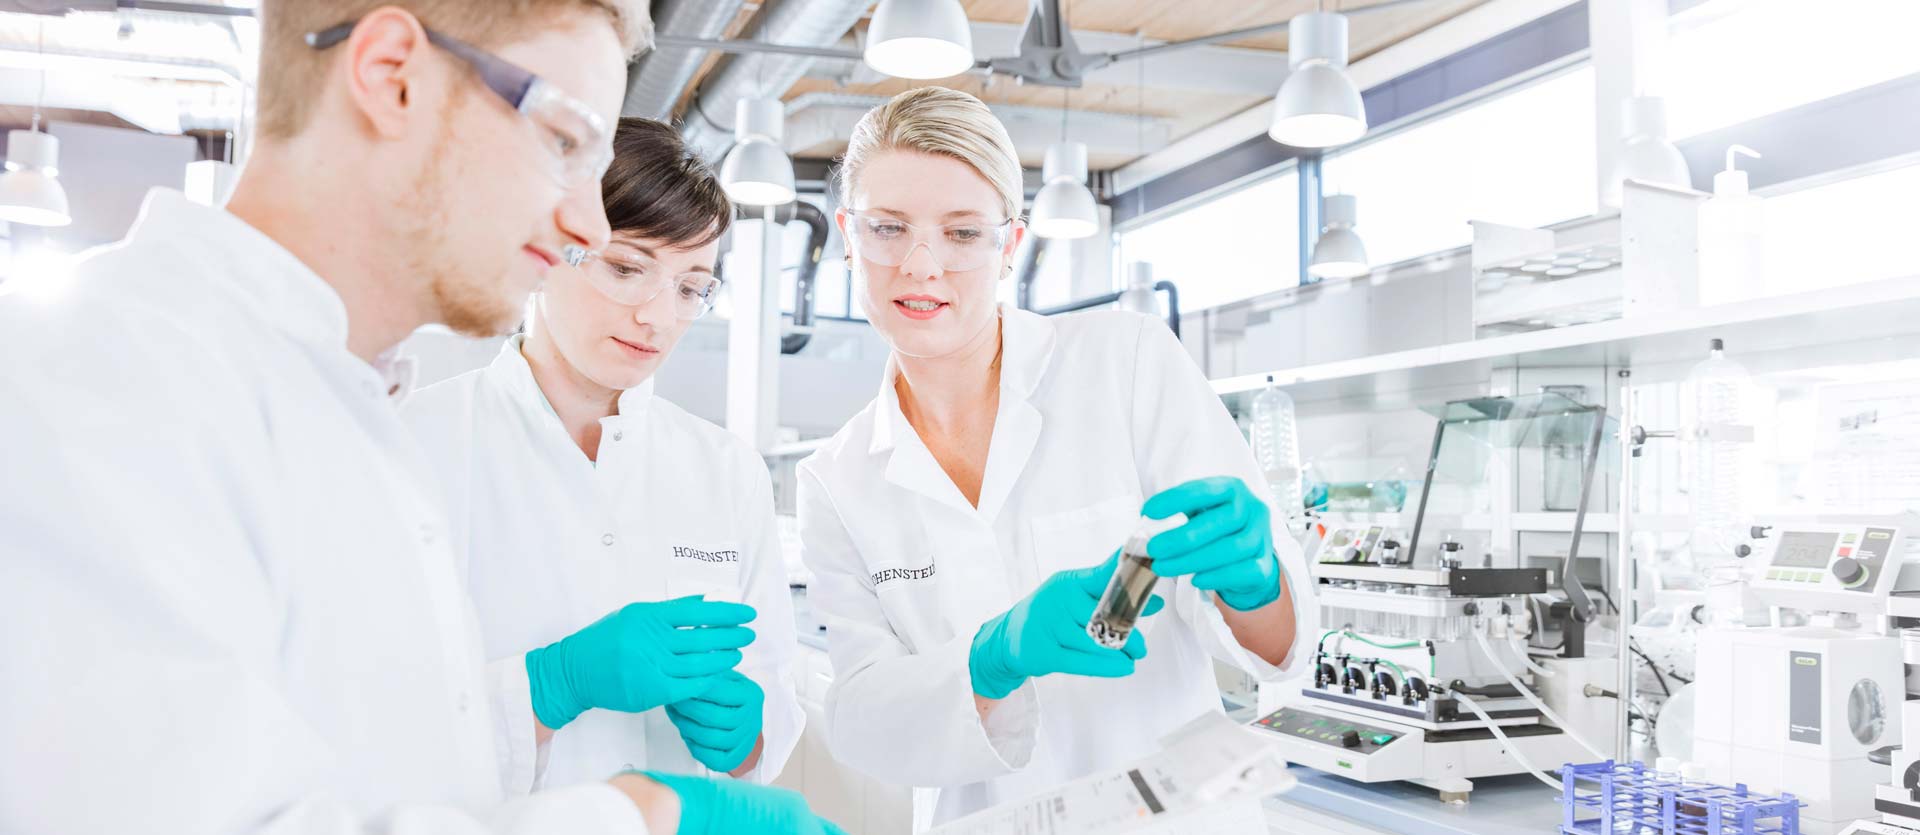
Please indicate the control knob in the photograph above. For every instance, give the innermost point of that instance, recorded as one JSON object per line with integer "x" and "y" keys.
{"x": 1849, "y": 571}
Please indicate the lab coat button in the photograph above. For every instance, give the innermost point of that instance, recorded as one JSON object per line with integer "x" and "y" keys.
{"x": 617, "y": 434}
{"x": 606, "y": 540}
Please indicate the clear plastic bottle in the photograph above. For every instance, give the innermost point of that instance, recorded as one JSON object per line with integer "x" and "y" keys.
{"x": 1277, "y": 448}
{"x": 1721, "y": 439}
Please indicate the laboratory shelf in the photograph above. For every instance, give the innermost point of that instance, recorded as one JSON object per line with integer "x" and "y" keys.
{"x": 1554, "y": 521}
{"x": 1844, "y": 315}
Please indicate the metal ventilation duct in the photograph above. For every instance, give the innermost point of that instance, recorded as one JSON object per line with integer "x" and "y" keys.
{"x": 709, "y": 122}
{"x": 656, "y": 81}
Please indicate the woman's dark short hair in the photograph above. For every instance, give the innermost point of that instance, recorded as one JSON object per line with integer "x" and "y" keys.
{"x": 659, "y": 188}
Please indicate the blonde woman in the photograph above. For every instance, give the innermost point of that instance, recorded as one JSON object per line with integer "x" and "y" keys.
{"x": 962, "y": 526}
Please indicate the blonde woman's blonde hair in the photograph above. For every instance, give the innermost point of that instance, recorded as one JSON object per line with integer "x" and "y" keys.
{"x": 936, "y": 120}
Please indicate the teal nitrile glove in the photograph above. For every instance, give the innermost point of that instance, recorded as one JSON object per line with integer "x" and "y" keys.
{"x": 638, "y": 658}
{"x": 1047, "y": 633}
{"x": 1226, "y": 544}
{"x": 716, "y": 806}
{"x": 721, "y": 725}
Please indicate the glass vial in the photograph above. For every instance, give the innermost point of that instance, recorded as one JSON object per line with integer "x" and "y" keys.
{"x": 1131, "y": 586}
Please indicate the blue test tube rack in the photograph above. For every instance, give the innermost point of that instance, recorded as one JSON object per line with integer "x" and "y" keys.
{"x": 1609, "y": 798}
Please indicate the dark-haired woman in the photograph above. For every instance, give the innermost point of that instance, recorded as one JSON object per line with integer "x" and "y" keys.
{"x": 616, "y": 545}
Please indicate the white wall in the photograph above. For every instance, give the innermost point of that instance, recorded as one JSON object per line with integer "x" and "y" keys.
{"x": 820, "y": 387}
{"x": 107, "y": 172}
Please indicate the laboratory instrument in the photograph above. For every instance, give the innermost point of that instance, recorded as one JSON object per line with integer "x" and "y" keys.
{"x": 1897, "y": 797}
{"x": 1131, "y": 586}
{"x": 1800, "y": 704}
{"x": 1424, "y": 673}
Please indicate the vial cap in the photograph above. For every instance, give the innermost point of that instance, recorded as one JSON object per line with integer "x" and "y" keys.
{"x": 1149, "y": 528}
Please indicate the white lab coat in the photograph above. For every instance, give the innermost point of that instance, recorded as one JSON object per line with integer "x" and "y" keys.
{"x": 1097, "y": 412}
{"x": 674, "y": 506}
{"x": 227, "y": 594}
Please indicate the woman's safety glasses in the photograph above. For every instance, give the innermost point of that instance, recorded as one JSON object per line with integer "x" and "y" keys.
{"x": 577, "y": 136}
{"x": 631, "y": 278}
{"x": 958, "y": 248}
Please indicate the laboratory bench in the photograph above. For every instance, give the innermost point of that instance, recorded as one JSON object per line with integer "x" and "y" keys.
{"x": 1513, "y": 805}
{"x": 1319, "y": 804}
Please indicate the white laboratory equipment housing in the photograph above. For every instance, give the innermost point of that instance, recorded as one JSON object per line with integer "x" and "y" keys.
{"x": 1802, "y": 704}
{"x": 1435, "y": 667}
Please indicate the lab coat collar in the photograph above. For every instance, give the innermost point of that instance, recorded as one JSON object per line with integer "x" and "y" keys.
{"x": 513, "y": 371}
{"x": 282, "y": 287}
{"x": 1026, "y": 347}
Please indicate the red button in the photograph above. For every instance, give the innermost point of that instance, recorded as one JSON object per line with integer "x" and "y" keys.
{"x": 1846, "y": 552}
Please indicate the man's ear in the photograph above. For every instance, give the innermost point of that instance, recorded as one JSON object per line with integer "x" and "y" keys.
{"x": 387, "y": 69}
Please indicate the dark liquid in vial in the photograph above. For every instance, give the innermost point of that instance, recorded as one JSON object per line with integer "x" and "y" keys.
{"x": 1125, "y": 596}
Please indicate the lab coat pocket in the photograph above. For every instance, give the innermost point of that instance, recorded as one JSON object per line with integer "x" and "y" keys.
{"x": 1081, "y": 537}
{"x": 711, "y": 569}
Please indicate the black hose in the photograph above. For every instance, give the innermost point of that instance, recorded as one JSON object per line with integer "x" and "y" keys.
{"x": 1654, "y": 667}
{"x": 816, "y": 221}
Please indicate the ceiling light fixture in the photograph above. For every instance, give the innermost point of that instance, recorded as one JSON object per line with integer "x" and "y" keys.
{"x": 1140, "y": 296}
{"x": 919, "y": 39}
{"x": 30, "y": 190}
{"x": 757, "y": 172}
{"x": 1339, "y": 252}
{"x": 1065, "y": 208}
{"x": 1318, "y": 105}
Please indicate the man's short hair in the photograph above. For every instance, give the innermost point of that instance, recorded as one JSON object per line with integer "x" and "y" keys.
{"x": 660, "y": 189}
{"x": 290, "y": 71}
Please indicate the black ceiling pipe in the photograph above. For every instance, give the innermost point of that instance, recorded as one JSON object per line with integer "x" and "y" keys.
{"x": 1024, "y": 272}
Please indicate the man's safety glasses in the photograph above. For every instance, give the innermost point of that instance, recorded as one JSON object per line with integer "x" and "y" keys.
{"x": 888, "y": 241}
{"x": 576, "y": 135}
{"x": 631, "y": 278}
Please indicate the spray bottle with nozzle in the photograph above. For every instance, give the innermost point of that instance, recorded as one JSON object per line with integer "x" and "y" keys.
{"x": 1733, "y": 229}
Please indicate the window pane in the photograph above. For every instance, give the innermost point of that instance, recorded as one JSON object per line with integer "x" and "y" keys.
{"x": 1524, "y": 158}
{"x": 1231, "y": 248}
{"x": 1846, "y": 232}
{"x": 793, "y": 252}
{"x": 1718, "y": 74}
{"x": 830, "y": 288}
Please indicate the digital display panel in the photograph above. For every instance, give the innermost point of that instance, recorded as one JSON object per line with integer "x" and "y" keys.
{"x": 1804, "y": 549}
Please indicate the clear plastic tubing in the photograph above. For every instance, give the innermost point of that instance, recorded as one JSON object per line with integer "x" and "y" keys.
{"x": 1132, "y": 584}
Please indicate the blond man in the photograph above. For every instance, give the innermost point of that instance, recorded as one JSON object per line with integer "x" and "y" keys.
{"x": 227, "y": 591}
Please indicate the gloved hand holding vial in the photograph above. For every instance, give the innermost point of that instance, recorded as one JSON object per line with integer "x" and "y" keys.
{"x": 1046, "y": 633}
{"x": 1226, "y": 545}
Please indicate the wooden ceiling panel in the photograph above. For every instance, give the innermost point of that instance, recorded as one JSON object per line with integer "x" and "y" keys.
{"x": 1173, "y": 20}
{"x": 1186, "y": 111}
